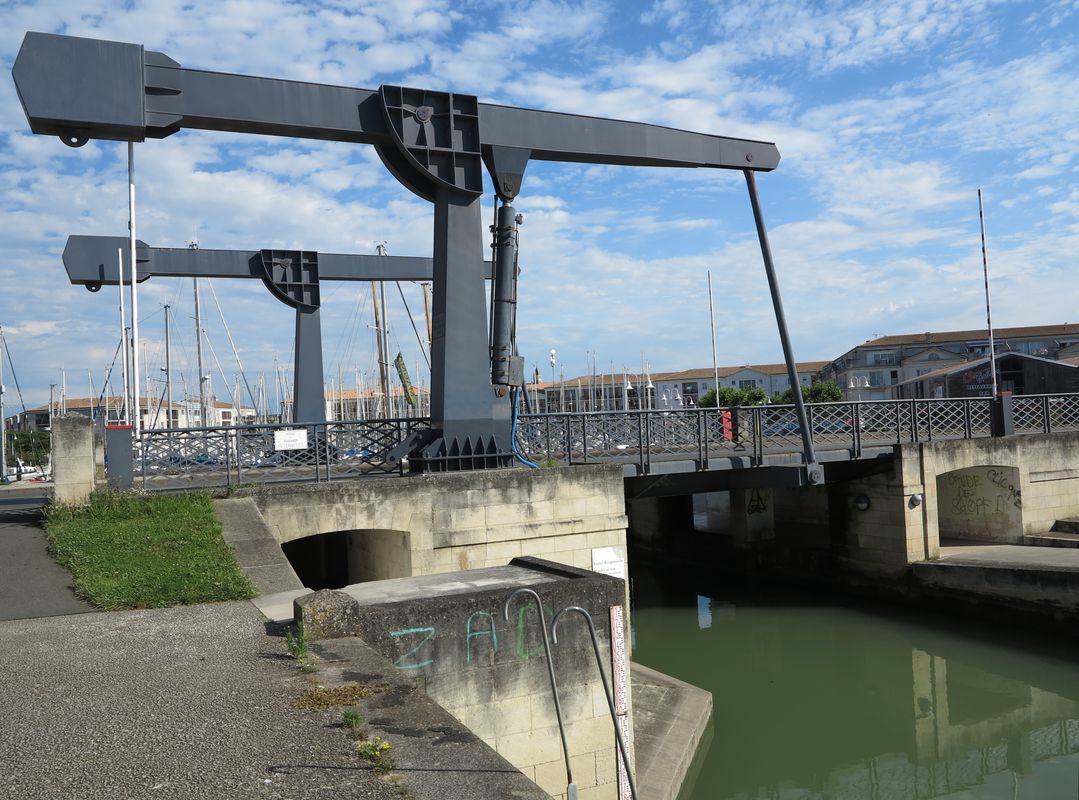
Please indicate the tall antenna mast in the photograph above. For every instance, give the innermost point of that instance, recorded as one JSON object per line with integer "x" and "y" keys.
{"x": 712, "y": 319}
{"x": 988, "y": 307}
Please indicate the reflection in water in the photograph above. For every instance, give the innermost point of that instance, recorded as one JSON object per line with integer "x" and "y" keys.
{"x": 815, "y": 700}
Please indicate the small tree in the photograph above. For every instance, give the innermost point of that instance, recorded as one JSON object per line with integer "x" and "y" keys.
{"x": 816, "y": 392}
{"x": 823, "y": 392}
{"x": 728, "y": 396}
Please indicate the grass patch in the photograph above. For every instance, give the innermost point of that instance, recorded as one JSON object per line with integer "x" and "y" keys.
{"x": 129, "y": 551}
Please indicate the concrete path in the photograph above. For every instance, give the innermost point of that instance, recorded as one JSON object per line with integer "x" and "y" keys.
{"x": 32, "y": 584}
{"x": 194, "y": 702}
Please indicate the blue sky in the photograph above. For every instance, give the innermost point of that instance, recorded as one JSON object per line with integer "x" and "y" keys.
{"x": 889, "y": 117}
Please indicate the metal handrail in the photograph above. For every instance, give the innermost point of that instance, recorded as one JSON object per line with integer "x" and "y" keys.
{"x": 571, "y": 788}
{"x": 606, "y": 688}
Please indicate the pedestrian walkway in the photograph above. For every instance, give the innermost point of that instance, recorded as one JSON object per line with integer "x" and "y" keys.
{"x": 196, "y": 702}
{"x": 32, "y": 584}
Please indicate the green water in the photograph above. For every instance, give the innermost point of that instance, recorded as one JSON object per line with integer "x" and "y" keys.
{"x": 830, "y": 698}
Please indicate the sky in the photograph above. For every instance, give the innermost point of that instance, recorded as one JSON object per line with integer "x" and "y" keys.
{"x": 889, "y": 118}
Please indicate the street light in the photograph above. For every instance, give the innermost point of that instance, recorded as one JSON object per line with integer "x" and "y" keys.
{"x": 858, "y": 382}
{"x": 554, "y": 361}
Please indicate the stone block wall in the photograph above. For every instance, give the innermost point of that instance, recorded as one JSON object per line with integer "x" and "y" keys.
{"x": 491, "y": 673}
{"x": 981, "y": 503}
{"x": 1035, "y": 474}
{"x": 1049, "y": 478}
{"x": 463, "y": 520}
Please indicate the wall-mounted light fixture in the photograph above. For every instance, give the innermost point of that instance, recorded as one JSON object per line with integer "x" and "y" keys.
{"x": 861, "y": 502}
{"x": 915, "y": 500}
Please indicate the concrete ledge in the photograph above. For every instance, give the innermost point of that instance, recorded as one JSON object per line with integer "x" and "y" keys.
{"x": 1052, "y": 590}
{"x": 670, "y": 718}
{"x": 257, "y": 552}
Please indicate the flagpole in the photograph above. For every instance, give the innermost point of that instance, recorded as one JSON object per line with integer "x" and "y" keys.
{"x": 712, "y": 318}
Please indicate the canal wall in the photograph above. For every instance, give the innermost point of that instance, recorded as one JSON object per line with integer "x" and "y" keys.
{"x": 449, "y": 635}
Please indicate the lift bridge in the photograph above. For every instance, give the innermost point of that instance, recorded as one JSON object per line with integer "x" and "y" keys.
{"x": 437, "y": 144}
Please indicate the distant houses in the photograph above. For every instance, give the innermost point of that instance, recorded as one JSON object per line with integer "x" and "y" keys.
{"x": 1038, "y": 359}
{"x": 154, "y": 413}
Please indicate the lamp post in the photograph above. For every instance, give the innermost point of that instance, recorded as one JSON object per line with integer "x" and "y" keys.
{"x": 554, "y": 360}
{"x": 858, "y": 382}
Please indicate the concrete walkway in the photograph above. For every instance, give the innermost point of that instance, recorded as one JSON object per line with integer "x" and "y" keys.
{"x": 32, "y": 584}
{"x": 195, "y": 702}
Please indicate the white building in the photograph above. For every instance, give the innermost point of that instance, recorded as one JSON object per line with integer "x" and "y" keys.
{"x": 660, "y": 390}
{"x": 154, "y": 413}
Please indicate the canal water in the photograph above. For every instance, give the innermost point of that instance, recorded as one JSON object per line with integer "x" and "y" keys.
{"x": 827, "y": 698}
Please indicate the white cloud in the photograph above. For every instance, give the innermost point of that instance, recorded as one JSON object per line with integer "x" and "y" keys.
{"x": 888, "y": 117}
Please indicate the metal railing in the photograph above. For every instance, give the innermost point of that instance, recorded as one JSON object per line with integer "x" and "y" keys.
{"x": 176, "y": 458}
{"x": 233, "y": 456}
{"x": 645, "y": 438}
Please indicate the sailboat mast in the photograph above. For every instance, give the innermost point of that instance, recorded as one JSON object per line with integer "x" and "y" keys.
{"x": 124, "y": 416}
{"x": 134, "y": 287}
{"x": 3, "y": 422}
{"x": 203, "y": 415}
{"x": 168, "y": 370}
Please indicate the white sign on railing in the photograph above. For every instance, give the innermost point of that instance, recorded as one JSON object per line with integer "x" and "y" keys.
{"x": 290, "y": 439}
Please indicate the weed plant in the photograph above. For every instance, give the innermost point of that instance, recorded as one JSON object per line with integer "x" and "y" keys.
{"x": 377, "y": 751}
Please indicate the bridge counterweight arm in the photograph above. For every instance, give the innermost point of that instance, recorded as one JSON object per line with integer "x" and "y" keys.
{"x": 84, "y": 88}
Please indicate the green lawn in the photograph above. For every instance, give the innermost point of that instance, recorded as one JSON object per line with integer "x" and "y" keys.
{"x": 126, "y": 551}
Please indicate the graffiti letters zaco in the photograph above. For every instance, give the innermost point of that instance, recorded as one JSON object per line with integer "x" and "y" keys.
{"x": 480, "y": 632}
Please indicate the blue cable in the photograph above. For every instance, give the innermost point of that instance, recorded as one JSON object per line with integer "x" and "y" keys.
{"x": 513, "y": 436}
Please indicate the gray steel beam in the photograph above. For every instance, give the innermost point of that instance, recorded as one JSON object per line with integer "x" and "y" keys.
{"x": 81, "y": 88}
{"x": 92, "y": 260}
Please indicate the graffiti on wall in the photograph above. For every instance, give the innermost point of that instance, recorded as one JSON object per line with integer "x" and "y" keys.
{"x": 417, "y": 645}
{"x": 980, "y": 493}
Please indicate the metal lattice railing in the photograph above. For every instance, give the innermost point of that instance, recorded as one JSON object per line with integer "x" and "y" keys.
{"x": 645, "y": 438}
{"x": 230, "y": 456}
